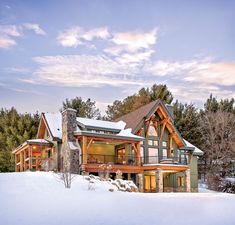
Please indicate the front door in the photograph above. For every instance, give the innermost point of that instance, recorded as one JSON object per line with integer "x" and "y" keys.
{"x": 150, "y": 183}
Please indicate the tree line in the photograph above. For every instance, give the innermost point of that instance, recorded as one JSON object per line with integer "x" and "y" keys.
{"x": 211, "y": 128}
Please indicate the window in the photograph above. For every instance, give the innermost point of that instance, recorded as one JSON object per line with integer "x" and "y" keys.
{"x": 141, "y": 152}
{"x": 164, "y": 153}
{"x": 121, "y": 156}
{"x": 180, "y": 181}
{"x": 164, "y": 144}
{"x": 153, "y": 155}
{"x": 152, "y": 143}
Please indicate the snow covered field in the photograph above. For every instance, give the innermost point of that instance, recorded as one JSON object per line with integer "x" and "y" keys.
{"x": 38, "y": 198}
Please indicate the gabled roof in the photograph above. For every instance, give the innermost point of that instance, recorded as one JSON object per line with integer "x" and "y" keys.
{"x": 54, "y": 122}
{"x": 135, "y": 119}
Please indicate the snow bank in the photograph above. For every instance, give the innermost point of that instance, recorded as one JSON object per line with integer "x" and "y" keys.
{"x": 38, "y": 198}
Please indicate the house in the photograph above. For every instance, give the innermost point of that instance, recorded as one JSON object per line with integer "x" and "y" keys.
{"x": 144, "y": 145}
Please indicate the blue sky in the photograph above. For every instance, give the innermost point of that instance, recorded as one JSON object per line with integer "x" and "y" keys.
{"x": 106, "y": 50}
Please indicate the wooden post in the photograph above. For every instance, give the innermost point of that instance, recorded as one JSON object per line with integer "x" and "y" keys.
{"x": 16, "y": 163}
{"x": 138, "y": 160}
{"x": 164, "y": 122}
{"x": 30, "y": 157}
{"x": 170, "y": 146}
{"x": 21, "y": 161}
{"x": 84, "y": 149}
{"x": 24, "y": 160}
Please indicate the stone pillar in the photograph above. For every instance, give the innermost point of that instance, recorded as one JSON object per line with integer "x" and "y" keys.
{"x": 187, "y": 180}
{"x": 140, "y": 181}
{"x": 159, "y": 180}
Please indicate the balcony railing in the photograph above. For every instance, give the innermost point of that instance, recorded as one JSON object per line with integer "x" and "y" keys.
{"x": 132, "y": 160}
{"x": 163, "y": 160}
{"x": 117, "y": 160}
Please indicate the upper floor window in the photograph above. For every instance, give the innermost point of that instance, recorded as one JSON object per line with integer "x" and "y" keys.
{"x": 164, "y": 144}
{"x": 152, "y": 142}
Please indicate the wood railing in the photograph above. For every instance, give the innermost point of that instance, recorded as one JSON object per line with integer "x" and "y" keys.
{"x": 117, "y": 160}
{"x": 163, "y": 160}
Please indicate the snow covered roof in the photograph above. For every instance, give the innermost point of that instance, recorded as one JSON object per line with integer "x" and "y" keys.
{"x": 128, "y": 133}
{"x": 38, "y": 141}
{"x": 32, "y": 141}
{"x": 101, "y": 123}
{"x": 54, "y": 122}
{"x": 196, "y": 150}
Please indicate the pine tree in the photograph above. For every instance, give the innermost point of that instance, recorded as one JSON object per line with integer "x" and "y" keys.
{"x": 15, "y": 128}
{"x": 84, "y": 108}
{"x": 143, "y": 97}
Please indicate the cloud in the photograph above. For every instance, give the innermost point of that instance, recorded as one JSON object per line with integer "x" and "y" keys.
{"x": 20, "y": 70}
{"x": 220, "y": 73}
{"x": 204, "y": 71}
{"x": 6, "y": 42}
{"x": 9, "y": 33}
{"x": 197, "y": 94}
{"x": 84, "y": 70}
{"x": 134, "y": 41}
{"x": 35, "y": 27}
{"x": 138, "y": 57}
{"x": 10, "y": 30}
{"x": 78, "y": 36}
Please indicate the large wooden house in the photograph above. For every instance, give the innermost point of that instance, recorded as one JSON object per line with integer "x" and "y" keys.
{"x": 144, "y": 145}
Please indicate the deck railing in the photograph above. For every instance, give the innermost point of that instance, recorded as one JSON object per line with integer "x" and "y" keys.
{"x": 163, "y": 160}
{"x": 131, "y": 160}
{"x": 119, "y": 160}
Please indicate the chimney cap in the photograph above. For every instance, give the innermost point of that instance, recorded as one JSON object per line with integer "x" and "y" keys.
{"x": 69, "y": 109}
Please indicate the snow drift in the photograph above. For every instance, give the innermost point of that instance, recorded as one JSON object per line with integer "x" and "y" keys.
{"x": 38, "y": 198}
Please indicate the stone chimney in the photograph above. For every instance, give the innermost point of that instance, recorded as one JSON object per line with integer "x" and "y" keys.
{"x": 68, "y": 125}
{"x": 70, "y": 149}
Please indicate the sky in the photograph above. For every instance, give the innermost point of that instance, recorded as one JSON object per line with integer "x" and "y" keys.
{"x": 107, "y": 50}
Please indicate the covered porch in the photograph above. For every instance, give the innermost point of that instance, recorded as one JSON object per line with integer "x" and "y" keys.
{"x": 167, "y": 178}
{"x": 34, "y": 154}
{"x": 122, "y": 153}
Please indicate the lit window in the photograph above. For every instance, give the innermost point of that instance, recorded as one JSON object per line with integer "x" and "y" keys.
{"x": 150, "y": 142}
{"x": 155, "y": 143}
{"x": 164, "y": 144}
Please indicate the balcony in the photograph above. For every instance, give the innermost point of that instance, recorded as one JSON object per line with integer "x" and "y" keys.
{"x": 163, "y": 160}
{"x": 129, "y": 160}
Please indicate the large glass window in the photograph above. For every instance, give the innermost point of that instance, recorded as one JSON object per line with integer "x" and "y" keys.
{"x": 153, "y": 155}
